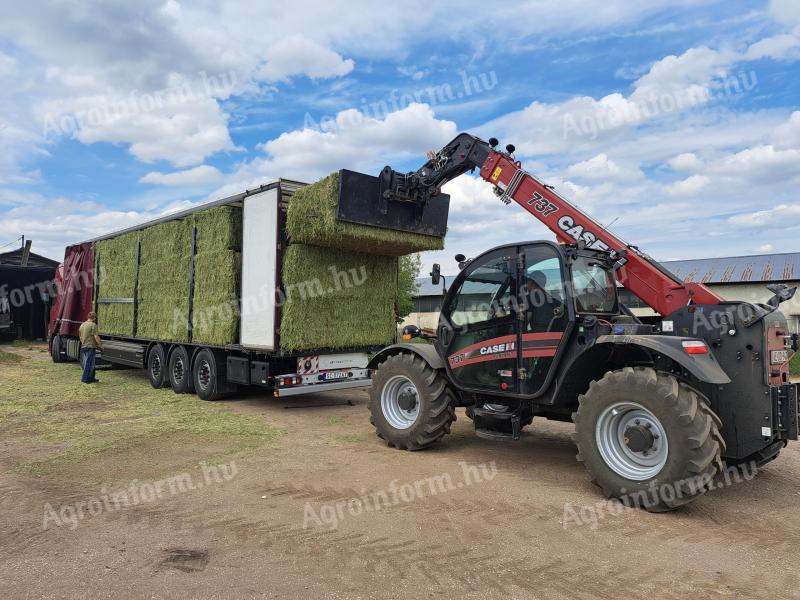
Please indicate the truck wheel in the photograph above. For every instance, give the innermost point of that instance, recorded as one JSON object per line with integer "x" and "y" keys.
{"x": 648, "y": 439}
{"x": 157, "y": 367}
{"x": 55, "y": 350}
{"x": 411, "y": 404}
{"x": 206, "y": 376}
{"x": 180, "y": 375}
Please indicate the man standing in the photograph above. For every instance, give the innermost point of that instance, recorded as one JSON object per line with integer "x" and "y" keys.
{"x": 90, "y": 344}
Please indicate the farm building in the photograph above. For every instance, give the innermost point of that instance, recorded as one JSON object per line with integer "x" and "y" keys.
{"x": 23, "y": 279}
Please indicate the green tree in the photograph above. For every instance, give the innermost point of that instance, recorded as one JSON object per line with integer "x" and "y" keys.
{"x": 409, "y": 268}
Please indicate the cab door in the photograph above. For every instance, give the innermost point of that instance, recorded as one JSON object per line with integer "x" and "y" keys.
{"x": 479, "y": 326}
{"x": 544, "y": 308}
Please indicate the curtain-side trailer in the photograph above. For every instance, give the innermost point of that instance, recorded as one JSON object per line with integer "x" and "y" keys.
{"x": 252, "y": 357}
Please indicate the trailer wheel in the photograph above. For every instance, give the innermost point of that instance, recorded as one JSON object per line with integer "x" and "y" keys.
{"x": 181, "y": 379}
{"x": 411, "y": 404}
{"x": 206, "y": 376}
{"x": 56, "y": 350}
{"x": 648, "y": 439}
{"x": 157, "y": 367}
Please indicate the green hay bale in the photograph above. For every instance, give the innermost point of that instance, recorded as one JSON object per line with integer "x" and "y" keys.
{"x": 219, "y": 228}
{"x": 116, "y": 261}
{"x": 115, "y": 319}
{"x": 163, "y": 298}
{"x": 337, "y": 299}
{"x": 167, "y": 241}
{"x": 311, "y": 219}
{"x": 215, "y": 298}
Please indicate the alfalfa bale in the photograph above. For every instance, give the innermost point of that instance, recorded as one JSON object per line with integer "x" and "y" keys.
{"x": 164, "y": 299}
{"x": 219, "y": 228}
{"x": 336, "y": 299}
{"x": 311, "y": 219}
{"x": 164, "y": 281}
{"x": 216, "y": 291}
{"x": 116, "y": 263}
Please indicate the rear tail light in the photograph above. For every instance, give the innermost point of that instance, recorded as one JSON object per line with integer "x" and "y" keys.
{"x": 694, "y": 347}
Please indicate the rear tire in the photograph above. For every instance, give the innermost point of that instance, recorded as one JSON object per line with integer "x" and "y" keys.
{"x": 648, "y": 439}
{"x": 55, "y": 350}
{"x": 206, "y": 376}
{"x": 181, "y": 378}
{"x": 411, "y": 403}
{"x": 157, "y": 367}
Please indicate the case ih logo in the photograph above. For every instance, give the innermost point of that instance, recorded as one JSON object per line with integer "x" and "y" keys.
{"x": 494, "y": 349}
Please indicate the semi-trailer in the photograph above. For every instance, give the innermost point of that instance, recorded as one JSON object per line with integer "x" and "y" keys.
{"x": 199, "y": 299}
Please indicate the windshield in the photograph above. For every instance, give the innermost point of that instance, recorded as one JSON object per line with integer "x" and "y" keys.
{"x": 595, "y": 288}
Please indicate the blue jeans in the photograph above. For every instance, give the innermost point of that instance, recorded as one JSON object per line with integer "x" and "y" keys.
{"x": 88, "y": 364}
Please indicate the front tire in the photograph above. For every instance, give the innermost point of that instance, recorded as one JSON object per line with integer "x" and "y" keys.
{"x": 56, "y": 350}
{"x": 648, "y": 439}
{"x": 411, "y": 403}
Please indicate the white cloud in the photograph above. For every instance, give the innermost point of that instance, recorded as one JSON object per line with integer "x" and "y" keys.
{"x": 298, "y": 55}
{"x": 602, "y": 168}
{"x": 779, "y": 217}
{"x": 355, "y": 142}
{"x": 785, "y": 46}
{"x": 8, "y": 65}
{"x": 766, "y": 248}
{"x": 785, "y": 11}
{"x": 761, "y": 162}
{"x": 689, "y": 186}
{"x": 687, "y": 161}
{"x": 201, "y": 175}
{"x": 787, "y": 135}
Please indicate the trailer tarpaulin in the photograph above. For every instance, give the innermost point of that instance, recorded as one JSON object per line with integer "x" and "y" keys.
{"x": 75, "y": 280}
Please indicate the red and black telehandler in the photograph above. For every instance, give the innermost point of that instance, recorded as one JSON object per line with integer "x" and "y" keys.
{"x": 535, "y": 329}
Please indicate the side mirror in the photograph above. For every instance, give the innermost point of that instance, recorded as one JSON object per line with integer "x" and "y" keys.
{"x": 436, "y": 274}
{"x": 410, "y": 332}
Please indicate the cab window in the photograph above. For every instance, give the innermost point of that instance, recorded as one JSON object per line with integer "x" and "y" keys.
{"x": 594, "y": 287}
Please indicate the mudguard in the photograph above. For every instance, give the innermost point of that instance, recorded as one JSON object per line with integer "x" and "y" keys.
{"x": 426, "y": 351}
{"x": 702, "y": 366}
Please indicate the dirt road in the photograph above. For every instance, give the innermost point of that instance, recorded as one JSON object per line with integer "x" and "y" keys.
{"x": 319, "y": 507}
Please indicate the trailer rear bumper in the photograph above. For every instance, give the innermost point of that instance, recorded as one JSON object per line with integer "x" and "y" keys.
{"x": 321, "y": 387}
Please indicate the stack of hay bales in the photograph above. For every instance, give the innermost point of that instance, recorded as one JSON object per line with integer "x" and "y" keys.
{"x": 340, "y": 279}
{"x": 217, "y": 267}
{"x": 116, "y": 262}
{"x": 164, "y": 281}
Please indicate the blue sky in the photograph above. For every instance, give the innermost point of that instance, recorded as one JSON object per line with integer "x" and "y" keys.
{"x": 674, "y": 120}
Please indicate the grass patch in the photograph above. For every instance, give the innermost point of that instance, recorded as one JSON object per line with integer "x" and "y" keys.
{"x": 45, "y": 403}
{"x": 311, "y": 219}
{"x": 10, "y": 357}
{"x": 20, "y": 343}
{"x": 337, "y": 299}
{"x": 794, "y": 365}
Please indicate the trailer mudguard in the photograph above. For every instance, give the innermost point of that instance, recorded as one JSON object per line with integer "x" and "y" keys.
{"x": 702, "y": 366}
{"x": 426, "y": 351}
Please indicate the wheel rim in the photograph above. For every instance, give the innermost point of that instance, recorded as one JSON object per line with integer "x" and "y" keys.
{"x": 632, "y": 441}
{"x": 155, "y": 367}
{"x": 204, "y": 375}
{"x": 178, "y": 370}
{"x": 400, "y": 402}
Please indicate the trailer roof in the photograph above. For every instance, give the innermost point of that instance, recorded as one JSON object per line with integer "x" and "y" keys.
{"x": 287, "y": 186}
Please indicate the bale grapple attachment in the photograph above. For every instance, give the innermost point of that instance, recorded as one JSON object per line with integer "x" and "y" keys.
{"x": 367, "y": 200}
